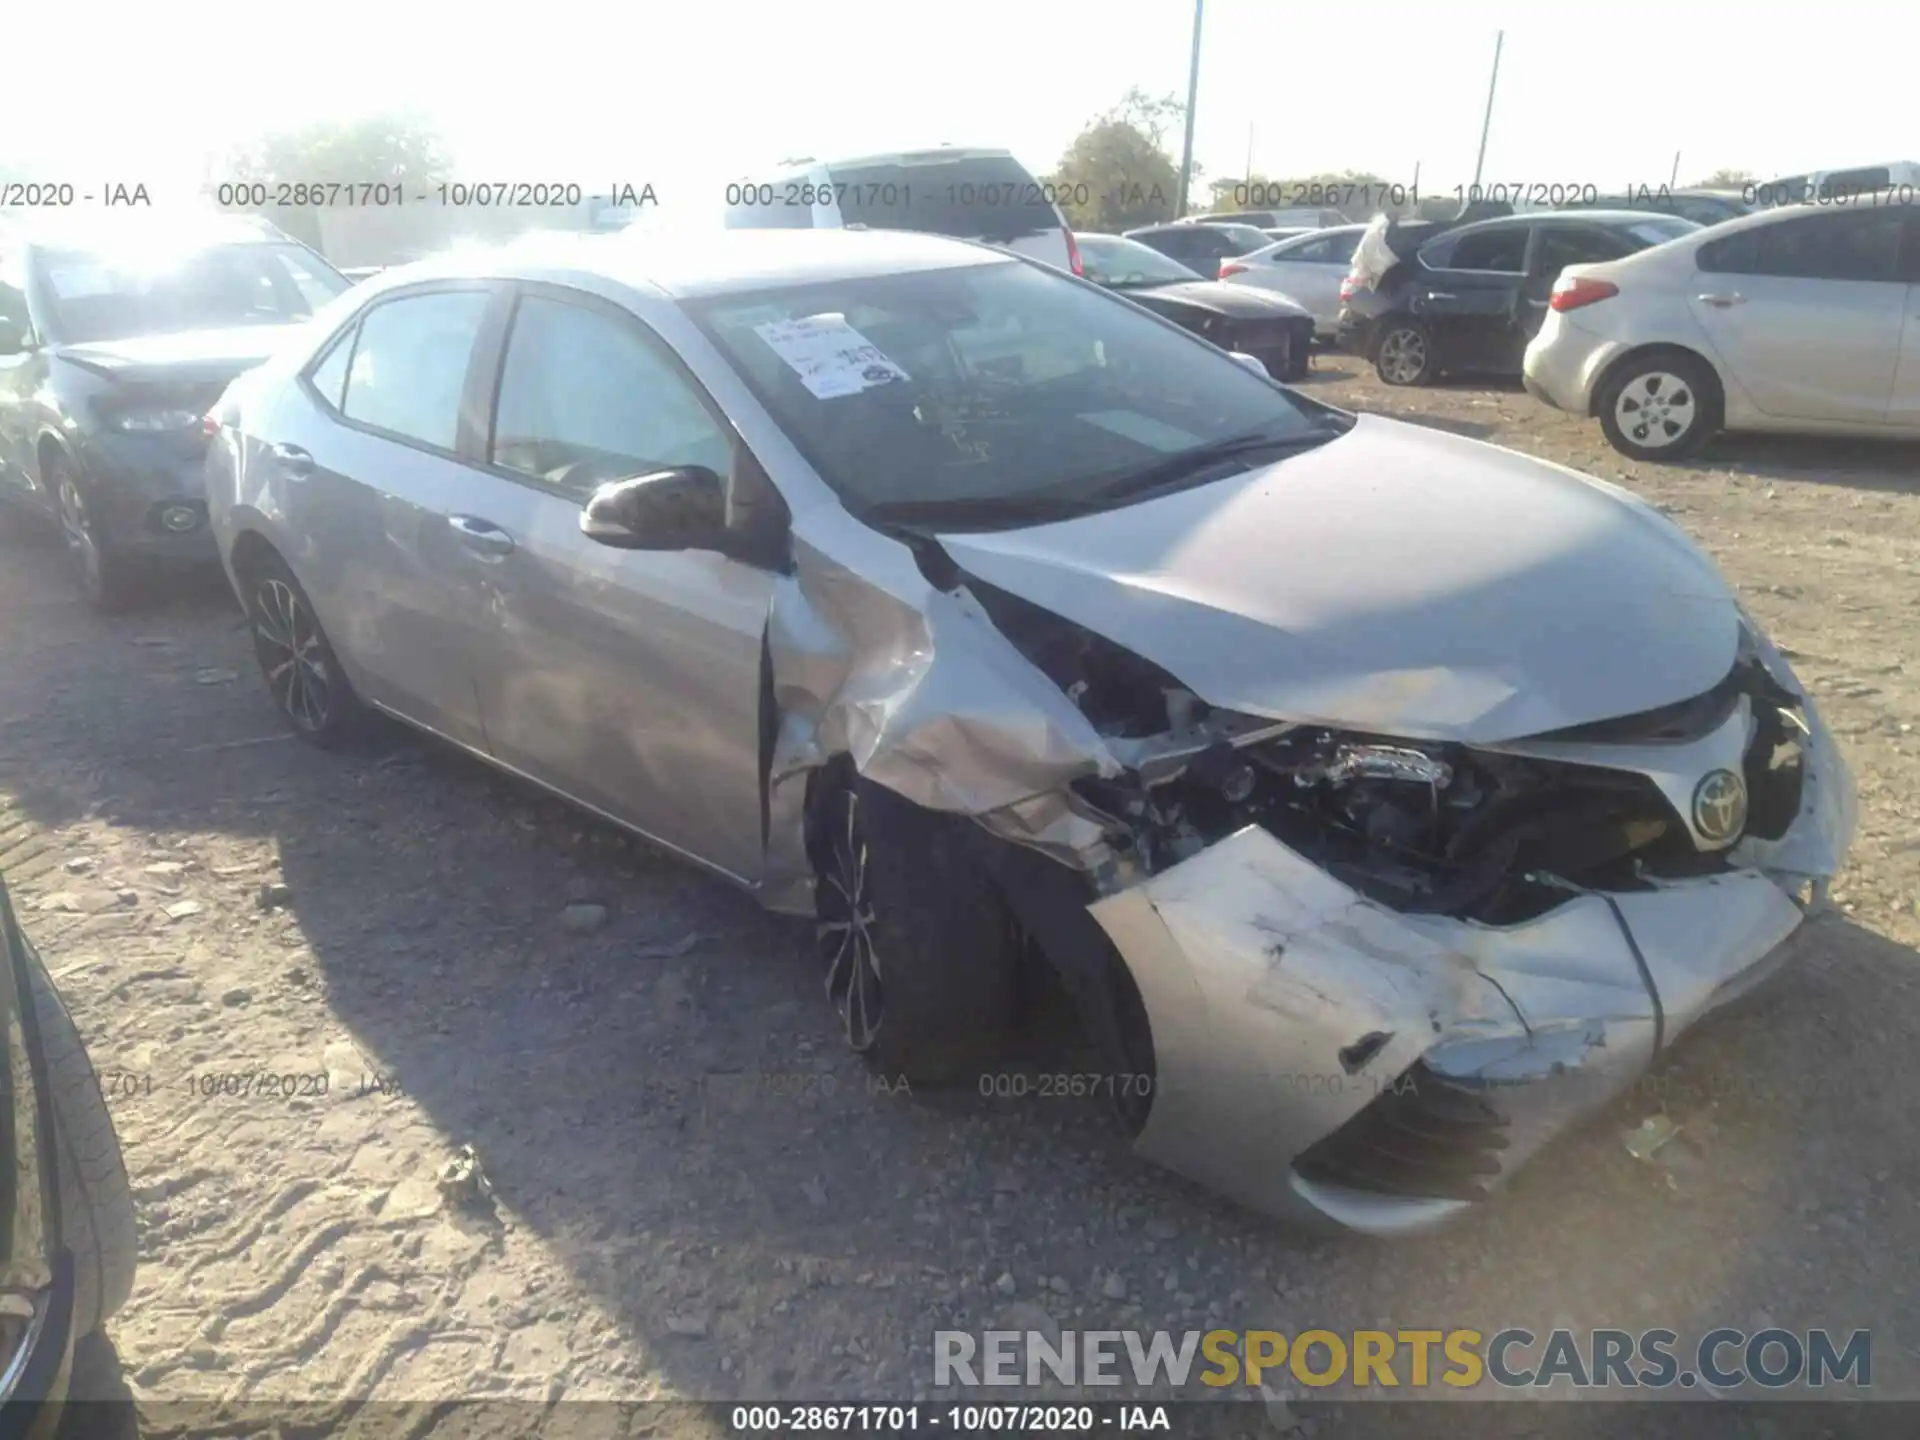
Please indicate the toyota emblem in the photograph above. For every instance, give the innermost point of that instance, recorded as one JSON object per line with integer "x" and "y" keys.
{"x": 1720, "y": 806}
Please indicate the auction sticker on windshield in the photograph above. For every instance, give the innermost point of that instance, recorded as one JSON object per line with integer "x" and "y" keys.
{"x": 830, "y": 356}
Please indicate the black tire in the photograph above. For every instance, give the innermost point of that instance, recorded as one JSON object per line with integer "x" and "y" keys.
{"x": 895, "y": 887}
{"x": 1661, "y": 406}
{"x": 109, "y": 579}
{"x": 1403, "y": 353}
{"x": 309, "y": 688}
{"x": 96, "y": 1201}
{"x": 1299, "y": 357}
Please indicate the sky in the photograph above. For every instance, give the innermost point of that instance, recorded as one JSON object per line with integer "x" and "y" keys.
{"x": 686, "y": 97}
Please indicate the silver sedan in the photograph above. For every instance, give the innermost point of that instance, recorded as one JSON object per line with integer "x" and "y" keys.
{"x": 1385, "y": 800}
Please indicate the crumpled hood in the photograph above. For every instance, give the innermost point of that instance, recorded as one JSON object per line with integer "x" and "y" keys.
{"x": 188, "y": 355}
{"x": 1397, "y": 579}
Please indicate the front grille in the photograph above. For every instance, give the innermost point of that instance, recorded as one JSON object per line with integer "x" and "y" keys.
{"x": 1425, "y": 1137}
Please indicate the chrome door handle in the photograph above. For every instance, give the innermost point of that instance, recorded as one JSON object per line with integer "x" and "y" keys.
{"x": 297, "y": 464}
{"x": 1722, "y": 302}
{"x": 481, "y": 536}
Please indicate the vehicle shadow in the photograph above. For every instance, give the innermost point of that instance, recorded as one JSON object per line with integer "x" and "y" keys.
{"x": 1856, "y": 464}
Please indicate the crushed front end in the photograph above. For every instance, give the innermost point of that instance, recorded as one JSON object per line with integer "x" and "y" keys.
{"x": 1380, "y": 973}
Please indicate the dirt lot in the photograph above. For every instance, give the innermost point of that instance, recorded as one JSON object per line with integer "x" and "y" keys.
{"x": 695, "y": 1193}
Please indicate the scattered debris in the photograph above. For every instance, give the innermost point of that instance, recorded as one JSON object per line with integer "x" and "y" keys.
{"x": 463, "y": 1182}
{"x": 1113, "y": 1287}
{"x": 1006, "y": 1284}
{"x": 580, "y": 919}
{"x": 239, "y": 995}
{"x": 164, "y": 868}
{"x": 273, "y": 895}
{"x": 815, "y": 1191}
{"x": 181, "y": 909}
{"x": 79, "y": 863}
{"x": 1645, "y": 1140}
{"x": 693, "y": 1327}
{"x": 215, "y": 675}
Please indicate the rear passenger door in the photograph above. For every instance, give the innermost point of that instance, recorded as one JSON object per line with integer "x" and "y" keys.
{"x": 1556, "y": 245}
{"x": 1467, "y": 289}
{"x": 1808, "y": 313}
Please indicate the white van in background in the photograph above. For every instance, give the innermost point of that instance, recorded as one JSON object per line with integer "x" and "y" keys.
{"x": 1897, "y": 182}
{"x": 969, "y": 194}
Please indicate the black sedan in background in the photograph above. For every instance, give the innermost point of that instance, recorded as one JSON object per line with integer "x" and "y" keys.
{"x": 68, "y": 1237}
{"x": 1472, "y": 297}
{"x": 1201, "y": 248}
{"x": 115, "y": 339}
{"x": 1269, "y": 327}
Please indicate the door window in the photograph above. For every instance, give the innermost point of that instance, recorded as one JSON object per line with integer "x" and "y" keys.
{"x": 329, "y": 377}
{"x": 1324, "y": 250}
{"x": 1835, "y": 245}
{"x": 410, "y": 365}
{"x": 1503, "y": 250}
{"x": 586, "y": 398}
{"x": 1562, "y": 245}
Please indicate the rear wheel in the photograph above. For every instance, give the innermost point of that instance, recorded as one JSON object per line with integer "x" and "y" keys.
{"x": 302, "y": 672}
{"x": 108, "y": 578}
{"x": 1404, "y": 354}
{"x": 97, "y": 1220}
{"x": 1660, "y": 407}
{"x": 920, "y": 953}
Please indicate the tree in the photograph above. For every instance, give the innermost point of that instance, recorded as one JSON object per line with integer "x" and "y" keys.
{"x": 1727, "y": 180}
{"x": 1117, "y": 173}
{"x": 376, "y": 149}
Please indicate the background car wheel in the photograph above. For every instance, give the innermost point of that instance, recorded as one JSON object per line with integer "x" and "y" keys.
{"x": 302, "y": 672}
{"x": 96, "y": 1202}
{"x": 1660, "y": 406}
{"x": 920, "y": 953}
{"x": 1404, "y": 355}
{"x": 108, "y": 578}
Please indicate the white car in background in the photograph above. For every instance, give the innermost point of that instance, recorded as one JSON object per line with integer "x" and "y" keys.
{"x": 1802, "y": 319}
{"x": 1307, "y": 269}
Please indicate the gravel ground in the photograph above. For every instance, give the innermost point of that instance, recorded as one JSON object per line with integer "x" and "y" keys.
{"x": 694, "y": 1193}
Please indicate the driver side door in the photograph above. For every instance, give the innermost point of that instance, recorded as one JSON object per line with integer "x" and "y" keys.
{"x": 627, "y": 680}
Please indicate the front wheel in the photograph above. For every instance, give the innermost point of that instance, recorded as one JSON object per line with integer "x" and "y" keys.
{"x": 1404, "y": 355}
{"x": 1660, "y": 407}
{"x": 920, "y": 954}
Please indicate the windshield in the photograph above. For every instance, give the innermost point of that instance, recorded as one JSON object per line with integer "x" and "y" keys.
{"x": 1117, "y": 262}
{"x": 99, "y": 295}
{"x": 990, "y": 385}
{"x": 970, "y": 197}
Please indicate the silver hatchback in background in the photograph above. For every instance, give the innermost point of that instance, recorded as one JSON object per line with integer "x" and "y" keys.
{"x": 1805, "y": 319}
{"x": 1307, "y": 269}
{"x": 1384, "y": 800}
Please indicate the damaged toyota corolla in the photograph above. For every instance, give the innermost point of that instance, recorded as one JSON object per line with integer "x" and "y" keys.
{"x": 1385, "y": 800}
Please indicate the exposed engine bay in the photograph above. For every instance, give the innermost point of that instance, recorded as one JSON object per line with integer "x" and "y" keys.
{"x": 1440, "y": 829}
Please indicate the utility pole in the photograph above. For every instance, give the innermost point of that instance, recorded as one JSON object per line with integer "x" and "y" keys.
{"x": 1249, "y": 175}
{"x": 1674, "y": 179}
{"x": 1499, "y": 39}
{"x": 1193, "y": 95}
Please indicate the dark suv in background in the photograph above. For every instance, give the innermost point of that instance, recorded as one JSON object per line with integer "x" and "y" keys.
{"x": 115, "y": 339}
{"x": 1471, "y": 298}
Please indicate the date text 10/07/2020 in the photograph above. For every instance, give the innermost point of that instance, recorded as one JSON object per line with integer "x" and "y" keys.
{"x": 955, "y": 1419}
{"x": 130, "y": 1085}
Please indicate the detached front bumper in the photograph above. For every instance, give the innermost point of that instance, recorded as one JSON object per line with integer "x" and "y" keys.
{"x": 1319, "y": 1055}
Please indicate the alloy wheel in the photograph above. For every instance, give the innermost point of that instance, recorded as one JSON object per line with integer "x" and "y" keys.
{"x": 288, "y": 643}
{"x": 1403, "y": 356}
{"x": 1656, "y": 409}
{"x": 76, "y": 528}
{"x": 846, "y": 935}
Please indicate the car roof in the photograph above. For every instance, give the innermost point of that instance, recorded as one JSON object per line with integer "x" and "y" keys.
{"x": 695, "y": 265}
{"x": 932, "y": 153}
{"x": 1558, "y": 217}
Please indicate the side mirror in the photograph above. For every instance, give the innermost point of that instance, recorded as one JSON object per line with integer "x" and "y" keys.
{"x": 680, "y": 509}
{"x": 1253, "y": 363}
{"x": 13, "y": 337}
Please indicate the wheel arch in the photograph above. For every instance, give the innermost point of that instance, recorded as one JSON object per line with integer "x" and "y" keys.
{"x": 249, "y": 551}
{"x": 1643, "y": 352}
